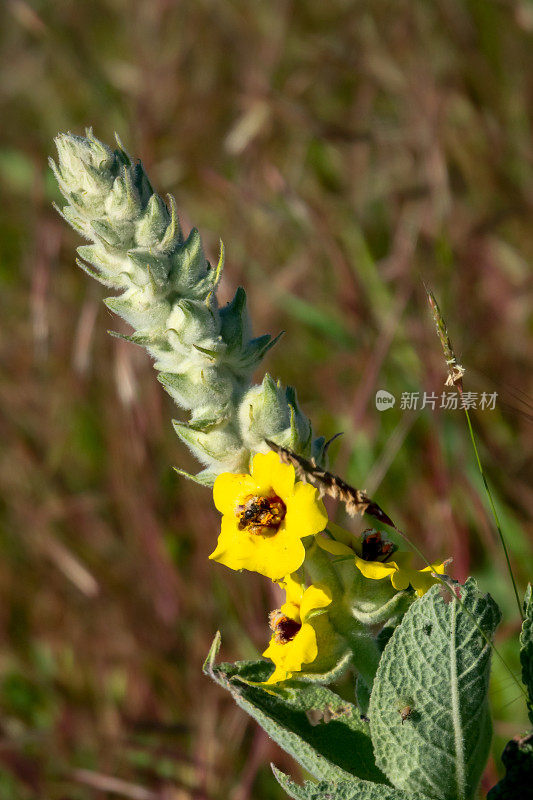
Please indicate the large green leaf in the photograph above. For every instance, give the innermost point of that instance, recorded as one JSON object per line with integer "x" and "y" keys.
{"x": 323, "y": 732}
{"x": 342, "y": 790}
{"x": 526, "y": 649}
{"x": 436, "y": 666}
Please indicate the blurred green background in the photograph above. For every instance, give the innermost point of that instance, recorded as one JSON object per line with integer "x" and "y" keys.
{"x": 344, "y": 152}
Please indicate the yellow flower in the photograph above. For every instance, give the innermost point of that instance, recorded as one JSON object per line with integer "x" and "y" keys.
{"x": 401, "y": 573}
{"x": 294, "y": 641}
{"x": 265, "y": 516}
{"x": 398, "y": 568}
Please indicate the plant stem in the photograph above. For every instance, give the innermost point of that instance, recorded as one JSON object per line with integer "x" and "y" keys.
{"x": 455, "y": 378}
{"x": 365, "y": 650}
{"x": 494, "y": 513}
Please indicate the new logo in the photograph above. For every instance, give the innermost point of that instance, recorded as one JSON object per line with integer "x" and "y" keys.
{"x": 384, "y": 400}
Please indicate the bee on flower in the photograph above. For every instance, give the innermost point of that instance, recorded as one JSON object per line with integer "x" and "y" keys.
{"x": 379, "y": 559}
{"x": 265, "y": 516}
{"x": 302, "y": 637}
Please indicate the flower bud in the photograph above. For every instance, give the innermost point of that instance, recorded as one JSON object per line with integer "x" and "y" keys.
{"x": 192, "y": 322}
{"x": 264, "y": 414}
{"x": 153, "y": 222}
{"x": 219, "y": 448}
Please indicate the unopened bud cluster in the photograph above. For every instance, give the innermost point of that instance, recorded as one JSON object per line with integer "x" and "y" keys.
{"x": 204, "y": 354}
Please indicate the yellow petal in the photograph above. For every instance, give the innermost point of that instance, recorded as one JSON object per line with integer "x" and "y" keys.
{"x": 333, "y": 547}
{"x": 274, "y": 651}
{"x": 376, "y": 570}
{"x": 283, "y": 479}
{"x": 278, "y": 675}
{"x": 269, "y": 472}
{"x": 292, "y": 655}
{"x": 294, "y": 591}
{"x": 276, "y": 555}
{"x": 234, "y": 547}
{"x": 304, "y": 648}
{"x": 314, "y": 597}
{"x": 291, "y": 610}
{"x": 440, "y": 569}
{"x": 422, "y": 580}
{"x": 230, "y": 489}
{"x": 400, "y": 579}
{"x": 306, "y": 514}
{"x": 421, "y": 583}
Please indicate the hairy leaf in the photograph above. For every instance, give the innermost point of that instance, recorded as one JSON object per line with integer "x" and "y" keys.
{"x": 429, "y": 714}
{"x": 323, "y": 732}
{"x": 341, "y": 790}
{"x": 526, "y": 649}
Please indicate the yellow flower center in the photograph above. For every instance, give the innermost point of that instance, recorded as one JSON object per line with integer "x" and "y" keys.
{"x": 284, "y": 628}
{"x": 261, "y": 515}
{"x": 374, "y": 548}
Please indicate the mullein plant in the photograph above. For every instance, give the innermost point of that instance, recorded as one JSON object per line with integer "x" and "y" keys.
{"x": 418, "y": 642}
